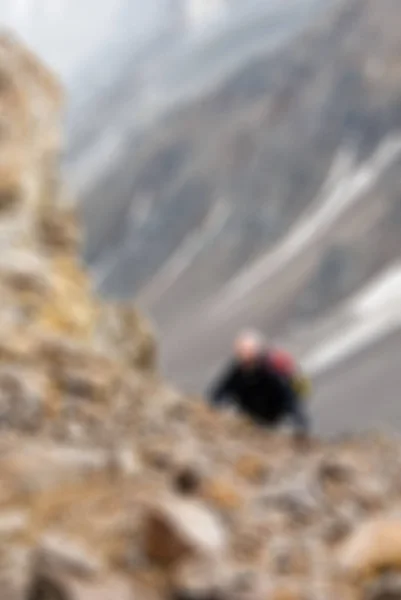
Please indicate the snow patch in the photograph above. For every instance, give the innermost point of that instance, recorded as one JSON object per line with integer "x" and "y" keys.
{"x": 349, "y": 343}
{"x": 377, "y": 314}
{"x": 383, "y": 294}
{"x": 338, "y": 198}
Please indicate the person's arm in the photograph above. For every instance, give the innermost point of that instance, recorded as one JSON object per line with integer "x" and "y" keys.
{"x": 222, "y": 388}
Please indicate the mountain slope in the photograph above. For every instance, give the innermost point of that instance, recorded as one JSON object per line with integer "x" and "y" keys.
{"x": 298, "y": 142}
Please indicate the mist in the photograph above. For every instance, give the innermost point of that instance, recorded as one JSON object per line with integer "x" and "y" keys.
{"x": 69, "y": 34}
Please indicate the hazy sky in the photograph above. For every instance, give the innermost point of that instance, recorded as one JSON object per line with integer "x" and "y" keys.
{"x": 68, "y": 32}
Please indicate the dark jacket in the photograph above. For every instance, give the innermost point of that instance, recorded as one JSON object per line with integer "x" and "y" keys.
{"x": 261, "y": 392}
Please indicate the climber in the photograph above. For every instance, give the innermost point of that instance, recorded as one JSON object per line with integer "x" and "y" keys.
{"x": 254, "y": 382}
{"x": 285, "y": 364}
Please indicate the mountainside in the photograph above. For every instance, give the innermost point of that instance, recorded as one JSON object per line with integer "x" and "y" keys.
{"x": 299, "y": 142}
{"x": 181, "y": 60}
{"x": 113, "y": 485}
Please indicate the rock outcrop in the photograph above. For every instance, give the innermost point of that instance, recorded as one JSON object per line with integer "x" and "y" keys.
{"x": 113, "y": 485}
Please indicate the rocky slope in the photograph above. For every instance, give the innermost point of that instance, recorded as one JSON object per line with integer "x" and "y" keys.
{"x": 112, "y": 484}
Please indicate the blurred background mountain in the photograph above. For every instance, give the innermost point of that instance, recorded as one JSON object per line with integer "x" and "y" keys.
{"x": 200, "y": 134}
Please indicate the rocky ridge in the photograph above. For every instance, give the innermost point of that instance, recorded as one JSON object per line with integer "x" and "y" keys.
{"x": 115, "y": 486}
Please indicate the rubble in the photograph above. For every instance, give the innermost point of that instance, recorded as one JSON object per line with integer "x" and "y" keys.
{"x": 114, "y": 485}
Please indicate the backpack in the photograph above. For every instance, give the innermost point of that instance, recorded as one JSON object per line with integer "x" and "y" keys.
{"x": 285, "y": 364}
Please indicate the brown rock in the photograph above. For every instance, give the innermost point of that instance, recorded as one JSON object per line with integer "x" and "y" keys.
{"x": 248, "y": 545}
{"x": 287, "y": 590}
{"x": 246, "y": 584}
{"x": 387, "y": 587}
{"x": 332, "y": 590}
{"x": 24, "y": 272}
{"x": 62, "y": 587}
{"x": 21, "y": 398}
{"x": 86, "y": 384}
{"x": 121, "y": 328}
{"x": 252, "y": 468}
{"x": 371, "y": 494}
{"x": 158, "y": 455}
{"x": 15, "y": 565}
{"x": 58, "y": 554}
{"x": 337, "y": 476}
{"x": 40, "y": 467}
{"x": 13, "y": 522}
{"x": 200, "y": 579}
{"x": 47, "y": 588}
{"x": 68, "y": 309}
{"x": 375, "y": 545}
{"x": 175, "y": 529}
{"x": 289, "y": 557}
{"x": 17, "y": 347}
{"x": 78, "y": 370}
{"x": 335, "y": 530}
{"x": 124, "y": 461}
{"x": 297, "y": 501}
{"x": 335, "y": 470}
{"x": 222, "y": 494}
{"x": 187, "y": 480}
{"x": 57, "y": 229}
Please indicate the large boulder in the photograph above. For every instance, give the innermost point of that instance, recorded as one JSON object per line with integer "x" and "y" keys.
{"x": 177, "y": 529}
{"x": 374, "y": 545}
